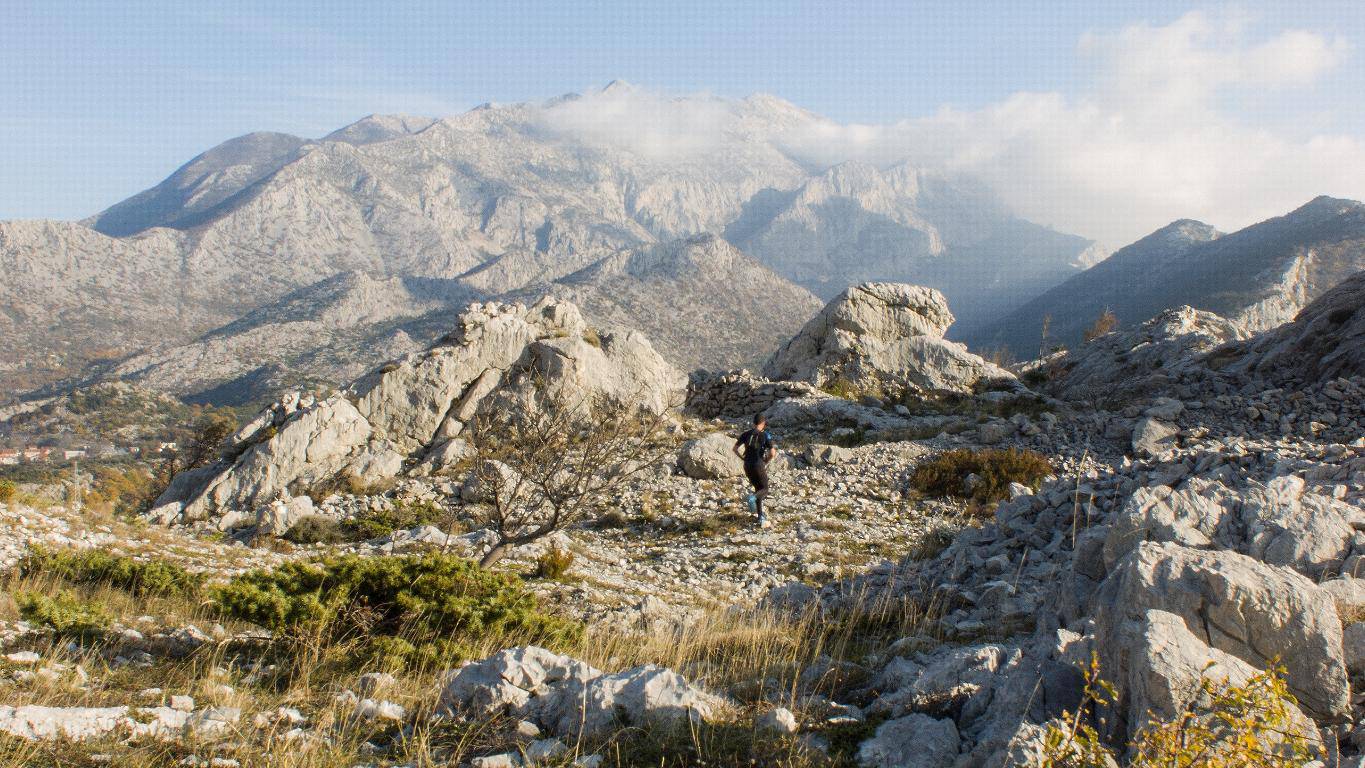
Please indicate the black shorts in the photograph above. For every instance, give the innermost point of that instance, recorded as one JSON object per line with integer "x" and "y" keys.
{"x": 757, "y": 474}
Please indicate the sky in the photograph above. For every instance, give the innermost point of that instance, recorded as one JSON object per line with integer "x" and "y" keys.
{"x": 1099, "y": 117}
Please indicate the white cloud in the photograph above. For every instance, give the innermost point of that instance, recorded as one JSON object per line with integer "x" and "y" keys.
{"x": 1149, "y": 140}
{"x": 644, "y": 121}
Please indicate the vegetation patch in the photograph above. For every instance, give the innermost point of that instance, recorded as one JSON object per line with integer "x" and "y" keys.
{"x": 8, "y": 490}
{"x": 400, "y": 516}
{"x": 98, "y": 567}
{"x": 554, "y": 563}
{"x": 63, "y": 612}
{"x": 947, "y": 473}
{"x": 431, "y": 603}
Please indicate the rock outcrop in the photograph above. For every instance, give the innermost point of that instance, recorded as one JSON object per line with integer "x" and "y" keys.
{"x": 1149, "y": 358}
{"x": 1324, "y": 342}
{"x": 566, "y": 697}
{"x": 394, "y": 417}
{"x": 884, "y": 337}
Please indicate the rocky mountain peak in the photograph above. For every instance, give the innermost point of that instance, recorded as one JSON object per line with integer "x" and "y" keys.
{"x": 376, "y": 128}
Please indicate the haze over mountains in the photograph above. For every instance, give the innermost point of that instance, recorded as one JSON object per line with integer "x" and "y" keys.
{"x": 273, "y": 260}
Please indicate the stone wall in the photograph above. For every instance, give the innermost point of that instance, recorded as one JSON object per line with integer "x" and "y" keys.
{"x": 737, "y": 394}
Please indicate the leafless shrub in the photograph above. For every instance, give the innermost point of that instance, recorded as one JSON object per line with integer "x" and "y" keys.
{"x": 553, "y": 461}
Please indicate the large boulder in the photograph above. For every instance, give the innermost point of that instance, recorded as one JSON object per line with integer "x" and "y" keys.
{"x": 565, "y": 697}
{"x": 1163, "y": 667}
{"x": 411, "y": 409}
{"x": 1277, "y": 522}
{"x": 710, "y": 458}
{"x": 1258, "y": 613}
{"x": 877, "y": 337}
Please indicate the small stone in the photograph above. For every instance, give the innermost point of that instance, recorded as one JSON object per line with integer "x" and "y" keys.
{"x": 778, "y": 720}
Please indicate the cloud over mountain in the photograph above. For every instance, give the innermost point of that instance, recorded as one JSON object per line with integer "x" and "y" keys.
{"x": 1158, "y": 131}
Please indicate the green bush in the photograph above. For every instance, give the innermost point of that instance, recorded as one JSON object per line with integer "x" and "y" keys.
{"x": 65, "y": 613}
{"x": 946, "y": 474}
{"x": 316, "y": 529}
{"x": 399, "y": 517}
{"x": 7, "y": 491}
{"x": 419, "y": 599}
{"x": 95, "y": 566}
{"x": 320, "y": 529}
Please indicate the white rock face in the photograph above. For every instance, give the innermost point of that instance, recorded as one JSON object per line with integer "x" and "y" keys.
{"x": 913, "y": 741}
{"x": 565, "y": 697}
{"x": 883, "y": 336}
{"x": 710, "y": 458}
{"x": 1237, "y": 605}
{"x": 405, "y": 409}
{"x": 1325, "y": 341}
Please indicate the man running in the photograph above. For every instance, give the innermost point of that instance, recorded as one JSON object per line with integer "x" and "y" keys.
{"x": 758, "y": 450}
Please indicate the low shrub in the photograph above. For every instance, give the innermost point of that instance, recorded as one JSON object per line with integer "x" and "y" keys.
{"x": 946, "y": 474}
{"x": 96, "y": 566}
{"x": 398, "y": 517}
{"x": 65, "y": 613}
{"x": 419, "y": 599}
{"x": 316, "y": 529}
{"x": 554, "y": 563}
{"x": 8, "y": 489}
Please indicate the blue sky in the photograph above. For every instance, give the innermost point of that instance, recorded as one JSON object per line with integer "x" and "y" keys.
{"x": 103, "y": 99}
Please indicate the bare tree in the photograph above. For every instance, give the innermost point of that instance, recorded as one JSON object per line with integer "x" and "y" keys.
{"x": 543, "y": 466}
{"x": 1106, "y": 322}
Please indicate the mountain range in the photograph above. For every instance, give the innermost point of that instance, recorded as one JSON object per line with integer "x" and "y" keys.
{"x": 272, "y": 260}
{"x": 1257, "y": 277}
{"x": 500, "y": 200}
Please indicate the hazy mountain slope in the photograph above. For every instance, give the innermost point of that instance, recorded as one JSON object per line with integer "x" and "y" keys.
{"x": 1258, "y": 277}
{"x": 704, "y": 303}
{"x": 328, "y": 332}
{"x": 708, "y": 305}
{"x": 71, "y": 295}
{"x": 855, "y": 223}
{"x": 193, "y": 192}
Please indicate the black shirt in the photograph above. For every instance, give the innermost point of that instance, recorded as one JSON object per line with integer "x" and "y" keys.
{"x": 756, "y": 445}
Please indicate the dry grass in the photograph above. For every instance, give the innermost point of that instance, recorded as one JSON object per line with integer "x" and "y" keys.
{"x": 758, "y": 658}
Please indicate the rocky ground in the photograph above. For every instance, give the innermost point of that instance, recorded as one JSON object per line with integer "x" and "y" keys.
{"x": 1204, "y": 519}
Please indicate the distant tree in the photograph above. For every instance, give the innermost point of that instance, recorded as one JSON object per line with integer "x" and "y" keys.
{"x": 209, "y": 433}
{"x": 1106, "y": 322}
{"x": 1047, "y": 327}
{"x": 548, "y": 464}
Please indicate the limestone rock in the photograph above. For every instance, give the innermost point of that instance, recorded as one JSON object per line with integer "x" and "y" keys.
{"x": 1152, "y": 437}
{"x": 913, "y": 741}
{"x": 778, "y": 720}
{"x": 883, "y": 337}
{"x": 710, "y": 458}
{"x": 412, "y": 408}
{"x": 1325, "y": 341}
{"x": 566, "y": 697}
{"x": 1237, "y": 605}
{"x": 826, "y": 454}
